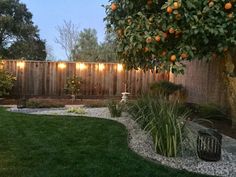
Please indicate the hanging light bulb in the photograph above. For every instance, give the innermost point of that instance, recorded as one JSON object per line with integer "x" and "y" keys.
{"x": 62, "y": 65}
{"x": 20, "y": 64}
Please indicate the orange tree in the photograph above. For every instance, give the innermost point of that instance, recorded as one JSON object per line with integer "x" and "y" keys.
{"x": 158, "y": 34}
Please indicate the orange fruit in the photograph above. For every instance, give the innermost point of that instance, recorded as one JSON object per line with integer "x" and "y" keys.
{"x": 114, "y": 6}
{"x": 171, "y": 30}
{"x": 211, "y": 4}
{"x": 184, "y": 55}
{"x": 146, "y": 49}
{"x": 169, "y": 10}
{"x": 228, "y": 5}
{"x": 158, "y": 38}
{"x": 173, "y": 58}
{"x": 175, "y": 5}
{"x": 149, "y": 2}
{"x": 163, "y": 53}
{"x": 149, "y": 40}
{"x": 231, "y": 15}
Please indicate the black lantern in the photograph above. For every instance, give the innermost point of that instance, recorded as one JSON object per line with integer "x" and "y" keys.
{"x": 209, "y": 145}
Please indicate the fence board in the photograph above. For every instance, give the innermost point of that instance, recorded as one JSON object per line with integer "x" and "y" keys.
{"x": 203, "y": 82}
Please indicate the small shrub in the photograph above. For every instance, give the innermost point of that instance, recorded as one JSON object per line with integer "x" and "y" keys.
{"x": 76, "y": 110}
{"x": 115, "y": 109}
{"x": 6, "y": 82}
{"x": 163, "y": 120}
{"x": 167, "y": 88}
{"x": 211, "y": 111}
{"x": 35, "y": 103}
{"x": 73, "y": 85}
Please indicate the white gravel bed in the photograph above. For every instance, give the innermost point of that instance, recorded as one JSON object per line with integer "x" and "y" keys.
{"x": 142, "y": 144}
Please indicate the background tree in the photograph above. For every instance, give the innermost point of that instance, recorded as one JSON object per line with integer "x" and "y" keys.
{"x": 68, "y": 37}
{"x": 87, "y": 46}
{"x": 50, "y": 54}
{"x": 107, "y": 49}
{"x": 32, "y": 49}
{"x": 163, "y": 34}
{"x": 18, "y": 35}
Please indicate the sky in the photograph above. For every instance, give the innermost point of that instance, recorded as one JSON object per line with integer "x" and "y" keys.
{"x": 48, "y": 14}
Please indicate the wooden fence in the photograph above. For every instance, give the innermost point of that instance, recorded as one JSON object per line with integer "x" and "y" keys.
{"x": 203, "y": 82}
{"x": 47, "y": 79}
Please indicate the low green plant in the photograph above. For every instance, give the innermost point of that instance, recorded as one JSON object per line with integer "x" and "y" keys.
{"x": 165, "y": 88}
{"x": 37, "y": 103}
{"x": 6, "y": 82}
{"x": 73, "y": 85}
{"x": 163, "y": 120}
{"x": 211, "y": 111}
{"x": 115, "y": 108}
{"x": 76, "y": 110}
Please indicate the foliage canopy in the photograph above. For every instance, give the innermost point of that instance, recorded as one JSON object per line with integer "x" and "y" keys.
{"x": 161, "y": 35}
{"x": 18, "y": 35}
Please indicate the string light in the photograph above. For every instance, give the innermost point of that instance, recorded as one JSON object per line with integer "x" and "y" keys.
{"x": 61, "y": 65}
{"x": 20, "y": 64}
{"x": 81, "y": 66}
{"x": 119, "y": 67}
{"x": 101, "y": 67}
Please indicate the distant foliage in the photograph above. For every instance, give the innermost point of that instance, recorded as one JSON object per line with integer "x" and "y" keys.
{"x": 33, "y": 49}
{"x": 88, "y": 48}
{"x": 6, "y": 82}
{"x": 19, "y": 37}
{"x": 68, "y": 35}
{"x": 107, "y": 49}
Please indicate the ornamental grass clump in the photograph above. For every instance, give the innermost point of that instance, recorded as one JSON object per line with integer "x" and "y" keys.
{"x": 115, "y": 108}
{"x": 164, "y": 121}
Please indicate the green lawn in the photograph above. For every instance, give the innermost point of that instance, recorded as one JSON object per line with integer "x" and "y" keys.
{"x": 54, "y": 146}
